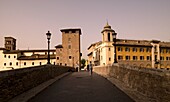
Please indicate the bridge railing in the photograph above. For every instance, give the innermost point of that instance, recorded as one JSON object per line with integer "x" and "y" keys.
{"x": 153, "y": 84}
{"x": 15, "y": 82}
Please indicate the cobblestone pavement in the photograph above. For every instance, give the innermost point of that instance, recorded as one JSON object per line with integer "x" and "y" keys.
{"x": 82, "y": 87}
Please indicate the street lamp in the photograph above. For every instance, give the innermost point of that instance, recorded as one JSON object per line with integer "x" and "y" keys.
{"x": 114, "y": 44}
{"x": 48, "y": 37}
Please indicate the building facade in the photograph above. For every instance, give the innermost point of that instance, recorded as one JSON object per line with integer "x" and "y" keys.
{"x": 10, "y": 58}
{"x": 139, "y": 53}
{"x": 69, "y": 53}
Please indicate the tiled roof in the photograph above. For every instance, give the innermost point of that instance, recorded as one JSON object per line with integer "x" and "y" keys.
{"x": 19, "y": 51}
{"x": 127, "y": 42}
{"x": 36, "y": 57}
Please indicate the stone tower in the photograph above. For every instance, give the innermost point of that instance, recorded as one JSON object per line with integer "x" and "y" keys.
{"x": 107, "y": 49}
{"x": 10, "y": 43}
{"x": 107, "y": 33}
{"x": 71, "y": 47}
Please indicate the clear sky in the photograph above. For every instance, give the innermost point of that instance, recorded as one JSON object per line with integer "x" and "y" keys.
{"x": 29, "y": 20}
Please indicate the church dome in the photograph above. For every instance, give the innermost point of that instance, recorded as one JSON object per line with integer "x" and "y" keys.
{"x": 107, "y": 27}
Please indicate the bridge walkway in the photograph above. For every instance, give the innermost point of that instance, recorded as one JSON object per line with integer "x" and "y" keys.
{"x": 82, "y": 87}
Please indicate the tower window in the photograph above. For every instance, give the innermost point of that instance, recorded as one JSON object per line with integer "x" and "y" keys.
{"x": 9, "y": 56}
{"x": 108, "y": 36}
{"x": 14, "y": 56}
{"x": 16, "y": 63}
{"x": 109, "y": 49}
{"x": 4, "y": 56}
{"x": 10, "y": 63}
{"x": 40, "y": 63}
{"x": 69, "y": 46}
{"x": 58, "y": 58}
{"x": 109, "y": 59}
{"x": 25, "y": 63}
{"x": 32, "y": 63}
{"x": 4, "y": 64}
{"x": 69, "y": 57}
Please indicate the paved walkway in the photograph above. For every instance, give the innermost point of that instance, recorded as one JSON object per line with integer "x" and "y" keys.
{"x": 81, "y": 87}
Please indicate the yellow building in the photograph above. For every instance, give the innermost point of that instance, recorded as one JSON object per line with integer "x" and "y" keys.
{"x": 137, "y": 53}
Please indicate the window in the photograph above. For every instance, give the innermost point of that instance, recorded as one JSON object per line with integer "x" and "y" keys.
{"x": 162, "y": 50}
{"x": 16, "y": 63}
{"x": 54, "y": 63}
{"x": 14, "y": 56}
{"x": 148, "y": 58}
{"x": 127, "y": 57}
{"x": 9, "y": 56}
{"x": 141, "y": 49}
{"x": 69, "y": 39}
{"x": 109, "y": 59}
{"x": 119, "y": 49}
{"x": 148, "y": 50}
{"x": 40, "y": 63}
{"x": 120, "y": 57}
{"x": 25, "y": 63}
{"x": 167, "y": 58}
{"x": 65, "y": 64}
{"x": 127, "y": 49}
{"x": 135, "y": 58}
{"x": 109, "y": 49}
{"x": 69, "y": 46}
{"x": 155, "y": 49}
{"x": 155, "y": 57}
{"x": 69, "y": 57}
{"x": 162, "y": 58}
{"x": 168, "y": 51}
{"x": 60, "y": 64}
{"x": 4, "y": 64}
{"x": 32, "y": 63}
{"x": 108, "y": 36}
{"x": 134, "y": 49}
{"x": 10, "y": 63}
{"x": 4, "y": 56}
{"x": 58, "y": 58}
{"x": 141, "y": 57}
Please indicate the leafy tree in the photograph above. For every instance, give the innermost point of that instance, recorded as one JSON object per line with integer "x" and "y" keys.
{"x": 83, "y": 62}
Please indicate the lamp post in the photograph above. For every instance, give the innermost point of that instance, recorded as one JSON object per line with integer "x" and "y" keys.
{"x": 48, "y": 38}
{"x": 114, "y": 44}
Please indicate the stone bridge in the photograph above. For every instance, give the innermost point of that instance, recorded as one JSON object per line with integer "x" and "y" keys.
{"x": 107, "y": 84}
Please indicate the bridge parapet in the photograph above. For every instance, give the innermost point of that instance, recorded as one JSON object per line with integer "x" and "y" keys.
{"x": 150, "y": 84}
{"x": 15, "y": 82}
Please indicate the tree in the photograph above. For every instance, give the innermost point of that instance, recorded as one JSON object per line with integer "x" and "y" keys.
{"x": 83, "y": 62}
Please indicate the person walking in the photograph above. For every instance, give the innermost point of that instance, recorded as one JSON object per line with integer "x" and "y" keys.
{"x": 91, "y": 68}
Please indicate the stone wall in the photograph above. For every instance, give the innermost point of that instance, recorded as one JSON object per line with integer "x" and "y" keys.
{"x": 151, "y": 83}
{"x": 15, "y": 82}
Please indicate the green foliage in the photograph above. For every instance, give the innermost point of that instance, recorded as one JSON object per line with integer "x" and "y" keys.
{"x": 83, "y": 62}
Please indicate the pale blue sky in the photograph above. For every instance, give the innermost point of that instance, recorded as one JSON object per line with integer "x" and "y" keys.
{"x": 29, "y": 20}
